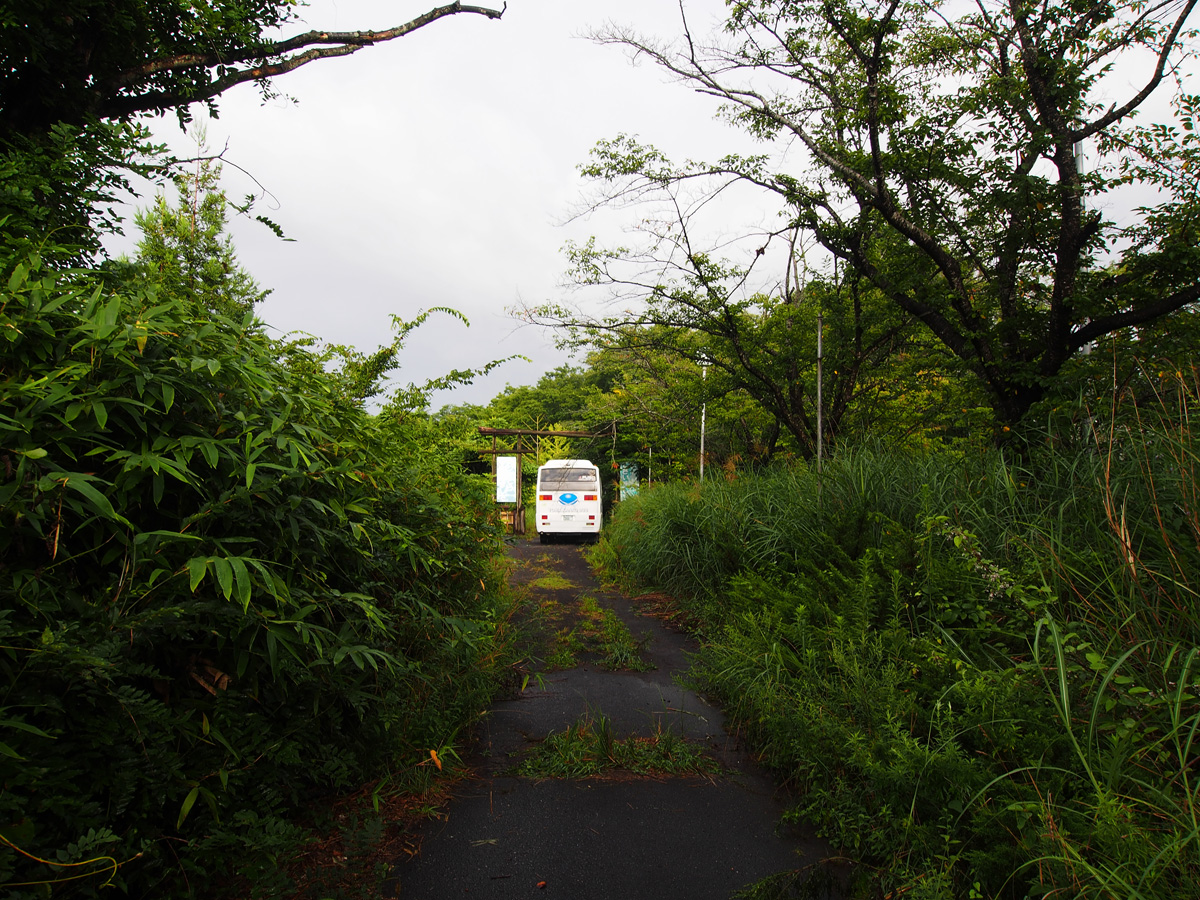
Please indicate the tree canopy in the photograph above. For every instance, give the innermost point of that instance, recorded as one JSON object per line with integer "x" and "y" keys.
{"x": 940, "y": 152}
{"x": 77, "y": 78}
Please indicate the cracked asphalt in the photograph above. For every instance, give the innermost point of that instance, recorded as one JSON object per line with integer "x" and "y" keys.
{"x": 616, "y": 835}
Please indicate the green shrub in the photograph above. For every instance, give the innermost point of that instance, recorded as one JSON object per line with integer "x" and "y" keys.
{"x": 224, "y": 590}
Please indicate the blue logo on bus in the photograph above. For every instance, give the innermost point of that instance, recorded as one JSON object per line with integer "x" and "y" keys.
{"x": 567, "y": 499}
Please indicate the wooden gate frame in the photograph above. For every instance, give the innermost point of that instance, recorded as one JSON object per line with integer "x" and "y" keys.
{"x": 518, "y": 513}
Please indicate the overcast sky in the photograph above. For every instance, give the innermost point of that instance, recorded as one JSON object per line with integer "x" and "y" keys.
{"x": 438, "y": 169}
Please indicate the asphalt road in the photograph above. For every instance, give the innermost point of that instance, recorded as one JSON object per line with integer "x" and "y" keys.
{"x": 615, "y": 836}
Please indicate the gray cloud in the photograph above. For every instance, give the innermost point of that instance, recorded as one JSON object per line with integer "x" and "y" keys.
{"x": 436, "y": 170}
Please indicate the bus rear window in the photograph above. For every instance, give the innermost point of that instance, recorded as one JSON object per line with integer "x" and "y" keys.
{"x": 568, "y": 480}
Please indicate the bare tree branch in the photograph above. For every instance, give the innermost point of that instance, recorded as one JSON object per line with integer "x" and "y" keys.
{"x": 264, "y": 61}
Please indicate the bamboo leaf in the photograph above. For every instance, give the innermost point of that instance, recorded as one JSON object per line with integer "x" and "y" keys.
{"x": 224, "y": 573}
{"x": 241, "y": 580}
{"x": 80, "y": 483}
{"x": 188, "y": 802}
{"x": 196, "y": 567}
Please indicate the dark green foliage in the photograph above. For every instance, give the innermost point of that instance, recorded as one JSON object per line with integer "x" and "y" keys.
{"x": 75, "y": 60}
{"x": 78, "y": 62}
{"x": 966, "y": 162}
{"x": 224, "y": 589}
{"x": 66, "y": 184}
{"x": 981, "y": 678}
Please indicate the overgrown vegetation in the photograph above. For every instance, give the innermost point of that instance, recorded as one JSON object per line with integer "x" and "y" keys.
{"x": 568, "y": 629}
{"x": 229, "y": 594}
{"x": 225, "y": 589}
{"x": 979, "y": 674}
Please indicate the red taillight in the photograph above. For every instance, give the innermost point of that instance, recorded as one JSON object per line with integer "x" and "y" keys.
{"x": 544, "y": 518}
{"x": 589, "y": 496}
{"x": 591, "y": 518}
{"x": 545, "y": 496}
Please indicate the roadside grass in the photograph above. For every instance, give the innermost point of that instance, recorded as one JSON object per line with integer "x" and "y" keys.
{"x": 980, "y": 674}
{"x": 812, "y": 882}
{"x": 588, "y": 748}
{"x": 357, "y": 840}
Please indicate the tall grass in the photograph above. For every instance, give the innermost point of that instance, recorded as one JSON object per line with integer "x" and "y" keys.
{"x": 980, "y": 675}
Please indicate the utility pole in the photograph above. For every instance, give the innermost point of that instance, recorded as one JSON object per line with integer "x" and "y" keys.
{"x": 703, "y": 411}
{"x": 820, "y": 381}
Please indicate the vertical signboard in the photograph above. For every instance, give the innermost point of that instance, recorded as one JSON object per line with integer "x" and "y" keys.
{"x": 629, "y": 480}
{"x": 506, "y": 479}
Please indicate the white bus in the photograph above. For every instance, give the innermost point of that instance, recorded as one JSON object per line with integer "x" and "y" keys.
{"x": 569, "y": 499}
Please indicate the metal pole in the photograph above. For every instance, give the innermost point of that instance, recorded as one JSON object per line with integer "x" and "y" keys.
{"x": 519, "y": 515}
{"x": 703, "y": 411}
{"x": 820, "y": 407}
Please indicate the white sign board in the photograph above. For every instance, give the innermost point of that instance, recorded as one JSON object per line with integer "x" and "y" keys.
{"x": 506, "y": 479}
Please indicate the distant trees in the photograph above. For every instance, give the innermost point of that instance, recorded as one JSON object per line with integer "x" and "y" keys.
{"x": 692, "y": 307}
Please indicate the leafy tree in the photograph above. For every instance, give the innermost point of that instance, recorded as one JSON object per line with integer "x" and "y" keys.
{"x": 67, "y": 184}
{"x": 561, "y": 396}
{"x": 185, "y": 251}
{"x": 656, "y": 405}
{"x": 696, "y": 307}
{"x": 936, "y": 150}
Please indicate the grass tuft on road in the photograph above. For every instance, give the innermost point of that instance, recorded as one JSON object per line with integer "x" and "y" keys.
{"x": 588, "y": 747}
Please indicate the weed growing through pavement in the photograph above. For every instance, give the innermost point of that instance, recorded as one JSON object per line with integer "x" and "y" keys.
{"x": 604, "y": 633}
{"x": 588, "y": 747}
{"x": 583, "y": 626}
{"x": 551, "y": 582}
{"x": 566, "y": 649}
